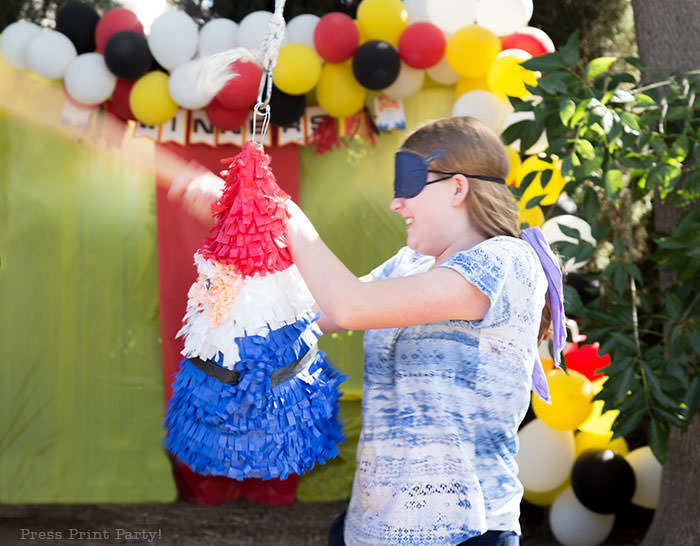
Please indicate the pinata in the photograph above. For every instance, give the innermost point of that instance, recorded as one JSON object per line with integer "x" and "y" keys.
{"x": 254, "y": 397}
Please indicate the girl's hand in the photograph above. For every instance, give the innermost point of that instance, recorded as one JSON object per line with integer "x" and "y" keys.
{"x": 199, "y": 188}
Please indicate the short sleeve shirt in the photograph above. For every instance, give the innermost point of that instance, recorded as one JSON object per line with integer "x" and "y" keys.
{"x": 442, "y": 403}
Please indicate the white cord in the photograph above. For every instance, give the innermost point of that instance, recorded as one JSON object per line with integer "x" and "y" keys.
{"x": 215, "y": 70}
{"x": 270, "y": 49}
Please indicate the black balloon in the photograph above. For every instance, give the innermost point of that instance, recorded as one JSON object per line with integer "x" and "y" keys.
{"x": 602, "y": 480}
{"x": 127, "y": 55}
{"x": 78, "y": 21}
{"x": 584, "y": 287}
{"x": 376, "y": 64}
{"x": 286, "y": 109}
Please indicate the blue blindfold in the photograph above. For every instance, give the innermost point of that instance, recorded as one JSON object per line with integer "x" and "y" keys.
{"x": 411, "y": 173}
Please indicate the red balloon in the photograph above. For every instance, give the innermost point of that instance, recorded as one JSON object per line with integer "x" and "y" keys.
{"x": 113, "y": 21}
{"x": 241, "y": 91}
{"x": 336, "y": 37}
{"x": 530, "y": 39}
{"x": 585, "y": 359}
{"x": 225, "y": 119}
{"x": 421, "y": 45}
{"x": 119, "y": 104}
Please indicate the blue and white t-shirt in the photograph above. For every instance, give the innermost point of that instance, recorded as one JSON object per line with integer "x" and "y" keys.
{"x": 442, "y": 403}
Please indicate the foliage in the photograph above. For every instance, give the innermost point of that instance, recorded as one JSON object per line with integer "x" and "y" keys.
{"x": 605, "y": 27}
{"x": 42, "y": 12}
{"x": 623, "y": 147}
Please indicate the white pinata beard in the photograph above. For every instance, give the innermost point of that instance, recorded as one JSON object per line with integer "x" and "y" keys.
{"x": 222, "y": 306}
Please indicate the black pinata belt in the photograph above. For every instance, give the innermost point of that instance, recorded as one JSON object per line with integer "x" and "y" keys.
{"x": 231, "y": 377}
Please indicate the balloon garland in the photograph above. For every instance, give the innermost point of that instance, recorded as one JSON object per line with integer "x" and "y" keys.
{"x": 392, "y": 46}
{"x": 254, "y": 397}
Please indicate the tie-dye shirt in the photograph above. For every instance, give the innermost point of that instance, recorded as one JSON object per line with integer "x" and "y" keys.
{"x": 442, "y": 403}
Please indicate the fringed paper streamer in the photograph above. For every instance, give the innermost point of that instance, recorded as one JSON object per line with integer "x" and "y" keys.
{"x": 253, "y": 429}
{"x": 251, "y": 217}
{"x": 262, "y": 303}
{"x": 325, "y": 136}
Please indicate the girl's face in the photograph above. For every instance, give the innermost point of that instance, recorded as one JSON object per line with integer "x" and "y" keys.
{"x": 425, "y": 215}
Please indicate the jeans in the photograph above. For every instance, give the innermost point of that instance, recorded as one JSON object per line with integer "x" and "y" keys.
{"x": 489, "y": 538}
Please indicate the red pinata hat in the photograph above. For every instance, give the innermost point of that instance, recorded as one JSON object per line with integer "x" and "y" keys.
{"x": 250, "y": 232}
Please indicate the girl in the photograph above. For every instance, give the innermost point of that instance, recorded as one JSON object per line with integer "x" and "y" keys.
{"x": 453, "y": 324}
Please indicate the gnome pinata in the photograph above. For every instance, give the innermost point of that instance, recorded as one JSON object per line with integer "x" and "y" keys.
{"x": 254, "y": 397}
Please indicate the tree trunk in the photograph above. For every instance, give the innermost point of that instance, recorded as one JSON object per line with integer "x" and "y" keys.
{"x": 666, "y": 38}
{"x": 677, "y": 519}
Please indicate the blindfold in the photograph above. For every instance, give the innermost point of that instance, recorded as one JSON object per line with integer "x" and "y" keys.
{"x": 411, "y": 173}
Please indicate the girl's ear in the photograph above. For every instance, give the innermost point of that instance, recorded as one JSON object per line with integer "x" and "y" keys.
{"x": 461, "y": 189}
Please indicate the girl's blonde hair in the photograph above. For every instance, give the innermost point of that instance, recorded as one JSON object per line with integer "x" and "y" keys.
{"x": 471, "y": 148}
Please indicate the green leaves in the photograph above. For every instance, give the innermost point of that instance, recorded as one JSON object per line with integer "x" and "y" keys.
{"x": 598, "y": 66}
{"x": 620, "y": 145}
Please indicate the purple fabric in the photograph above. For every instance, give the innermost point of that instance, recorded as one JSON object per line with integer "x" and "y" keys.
{"x": 555, "y": 297}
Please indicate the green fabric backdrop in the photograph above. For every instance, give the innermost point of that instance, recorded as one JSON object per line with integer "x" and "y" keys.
{"x": 81, "y": 398}
{"x": 81, "y": 401}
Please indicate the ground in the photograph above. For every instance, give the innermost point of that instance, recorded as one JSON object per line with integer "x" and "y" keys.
{"x": 237, "y": 523}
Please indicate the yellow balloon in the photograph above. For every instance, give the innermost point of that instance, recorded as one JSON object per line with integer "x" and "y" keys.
{"x": 338, "y": 92}
{"x": 150, "y": 100}
{"x": 547, "y": 364}
{"x": 588, "y": 440}
{"x": 554, "y": 186}
{"x": 534, "y": 216}
{"x": 381, "y": 20}
{"x": 571, "y": 394}
{"x": 469, "y": 84}
{"x": 545, "y": 498}
{"x": 507, "y": 78}
{"x": 514, "y": 163}
{"x": 599, "y": 422}
{"x": 471, "y": 50}
{"x": 297, "y": 70}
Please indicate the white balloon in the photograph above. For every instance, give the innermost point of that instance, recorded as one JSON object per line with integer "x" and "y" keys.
{"x": 573, "y": 524}
{"x": 217, "y": 35}
{"x": 442, "y": 73}
{"x": 300, "y": 30}
{"x": 448, "y": 15}
{"x": 553, "y": 234}
{"x": 451, "y": 15}
{"x": 647, "y": 472}
{"x": 88, "y": 80}
{"x": 49, "y": 53}
{"x": 537, "y": 147}
{"x": 485, "y": 106}
{"x": 183, "y": 88}
{"x": 408, "y": 82}
{"x": 253, "y": 29}
{"x": 503, "y": 17}
{"x": 14, "y": 41}
{"x": 417, "y": 10}
{"x": 173, "y": 39}
{"x": 545, "y": 456}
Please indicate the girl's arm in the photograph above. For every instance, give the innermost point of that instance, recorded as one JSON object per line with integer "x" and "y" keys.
{"x": 439, "y": 294}
{"x": 325, "y": 323}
